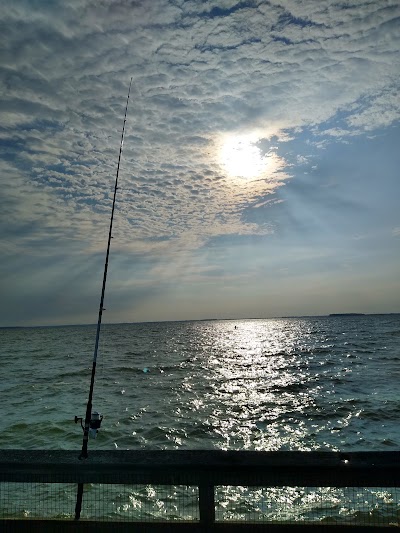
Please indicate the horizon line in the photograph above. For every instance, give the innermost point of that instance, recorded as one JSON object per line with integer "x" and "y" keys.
{"x": 329, "y": 315}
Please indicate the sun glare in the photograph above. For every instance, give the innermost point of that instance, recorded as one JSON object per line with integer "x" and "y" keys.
{"x": 241, "y": 157}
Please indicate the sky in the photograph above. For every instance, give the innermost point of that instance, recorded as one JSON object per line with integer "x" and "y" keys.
{"x": 259, "y": 174}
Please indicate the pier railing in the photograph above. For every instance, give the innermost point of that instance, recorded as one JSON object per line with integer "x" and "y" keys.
{"x": 199, "y": 490}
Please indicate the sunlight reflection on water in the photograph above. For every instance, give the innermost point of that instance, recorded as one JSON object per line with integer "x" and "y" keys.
{"x": 259, "y": 386}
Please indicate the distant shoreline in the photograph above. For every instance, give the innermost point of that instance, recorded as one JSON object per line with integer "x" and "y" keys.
{"x": 347, "y": 314}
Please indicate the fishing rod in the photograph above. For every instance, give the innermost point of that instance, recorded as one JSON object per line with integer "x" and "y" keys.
{"x": 93, "y": 420}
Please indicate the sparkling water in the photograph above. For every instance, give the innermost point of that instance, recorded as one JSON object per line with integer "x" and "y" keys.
{"x": 327, "y": 383}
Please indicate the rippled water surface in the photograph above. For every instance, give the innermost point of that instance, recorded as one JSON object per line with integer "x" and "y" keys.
{"x": 277, "y": 384}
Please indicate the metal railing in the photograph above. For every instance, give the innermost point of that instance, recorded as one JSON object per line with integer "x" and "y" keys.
{"x": 203, "y": 485}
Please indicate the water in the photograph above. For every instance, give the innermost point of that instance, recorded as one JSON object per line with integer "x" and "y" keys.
{"x": 323, "y": 383}
{"x": 281, "y": 384}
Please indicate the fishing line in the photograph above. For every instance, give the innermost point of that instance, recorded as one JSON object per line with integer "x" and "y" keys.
{"x": 93, "y": 420}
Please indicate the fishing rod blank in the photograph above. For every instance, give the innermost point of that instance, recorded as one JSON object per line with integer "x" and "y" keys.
{"x": 93, "y": 420}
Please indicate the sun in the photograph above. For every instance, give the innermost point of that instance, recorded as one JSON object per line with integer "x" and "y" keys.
{"x": 241, "y": 157}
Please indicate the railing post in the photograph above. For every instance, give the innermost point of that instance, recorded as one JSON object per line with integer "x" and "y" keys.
{"x": 78, "y": 505}
{"x": 206, "y": 505}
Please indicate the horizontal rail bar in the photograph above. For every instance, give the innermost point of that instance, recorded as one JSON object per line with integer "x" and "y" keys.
{"x": 204, "y": 467}
{"x": 88, "y": 526}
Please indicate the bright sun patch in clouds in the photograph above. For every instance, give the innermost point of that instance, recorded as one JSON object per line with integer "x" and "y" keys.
{"x": 241, "y": 157}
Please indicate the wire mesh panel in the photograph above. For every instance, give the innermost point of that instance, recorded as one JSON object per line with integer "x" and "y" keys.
{"x": 142, "y": 503}
{"x": 291, "y": 505}
{"x": 37, "y": 500}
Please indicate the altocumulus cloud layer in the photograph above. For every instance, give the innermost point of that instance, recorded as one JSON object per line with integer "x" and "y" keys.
{"x": 312, "y": 87}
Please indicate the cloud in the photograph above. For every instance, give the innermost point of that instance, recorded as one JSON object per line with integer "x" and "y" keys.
{"x": 201, "y": 71}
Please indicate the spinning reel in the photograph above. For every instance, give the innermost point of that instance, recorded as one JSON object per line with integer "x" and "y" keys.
{"x": 94, "y": 425}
